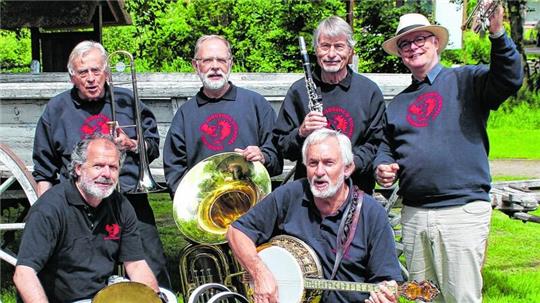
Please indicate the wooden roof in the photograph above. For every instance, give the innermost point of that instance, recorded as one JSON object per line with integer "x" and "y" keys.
{"x": 60, "y": 14}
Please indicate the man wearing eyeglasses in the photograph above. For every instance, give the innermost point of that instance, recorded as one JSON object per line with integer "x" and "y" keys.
{"x": 85, "y": 110}
{"x": 221, "y": 117}
{"x": 435, "y": 143}
{"x": 352, "y": 104}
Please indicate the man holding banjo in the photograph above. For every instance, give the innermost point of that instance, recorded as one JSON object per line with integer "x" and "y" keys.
{"x": 312, "y": 210}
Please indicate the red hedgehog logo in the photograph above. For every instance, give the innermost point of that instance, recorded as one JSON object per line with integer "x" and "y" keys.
{"x": 93, "y": 124}
{"x": 424, "y": 109}
{"x": 113, "y": 230}
{"x": 339, "y": 119}
{"x": 218, "y": 130}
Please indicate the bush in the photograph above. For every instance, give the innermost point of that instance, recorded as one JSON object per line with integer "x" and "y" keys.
{"x": 16, "y": 53}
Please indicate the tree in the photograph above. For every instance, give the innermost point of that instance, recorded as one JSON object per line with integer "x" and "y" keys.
{"x": 516, "y": 14}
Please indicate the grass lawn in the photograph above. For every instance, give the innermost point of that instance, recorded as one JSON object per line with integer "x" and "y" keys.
{"x": 513, "y": 143}
{"x": 511, "y": 273}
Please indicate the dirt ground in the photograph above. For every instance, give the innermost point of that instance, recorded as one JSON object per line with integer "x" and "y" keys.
{"x": 515, "y": 168}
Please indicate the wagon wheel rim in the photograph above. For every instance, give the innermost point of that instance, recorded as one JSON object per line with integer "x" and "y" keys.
{"x": 20, "y": 174}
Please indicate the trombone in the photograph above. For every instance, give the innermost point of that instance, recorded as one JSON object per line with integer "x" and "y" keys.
{"x": 145, "y": 183}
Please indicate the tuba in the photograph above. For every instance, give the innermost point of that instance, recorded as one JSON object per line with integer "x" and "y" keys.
{"x": 145, "y": 183}
{"x": 213, "y": 194}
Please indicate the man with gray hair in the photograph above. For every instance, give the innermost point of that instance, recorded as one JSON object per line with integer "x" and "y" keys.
{"x": 85, "y": 110}
{"x": 222, "y": 117}
{"x": 77, "y": 231}
{"x": 316, "y": 210}
{"x": 352, "y": 104}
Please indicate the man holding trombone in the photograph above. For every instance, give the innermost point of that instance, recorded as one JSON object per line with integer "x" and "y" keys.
{"x": 85, "y": 110}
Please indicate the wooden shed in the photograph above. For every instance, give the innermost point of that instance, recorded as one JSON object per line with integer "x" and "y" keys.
{"x": 57, "y": 26}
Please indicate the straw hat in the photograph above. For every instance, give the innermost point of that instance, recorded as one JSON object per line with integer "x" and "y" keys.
{"x": 409, "y": 23}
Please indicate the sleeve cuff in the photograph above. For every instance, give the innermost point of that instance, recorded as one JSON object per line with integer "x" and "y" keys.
{"x": 497, "y": 34}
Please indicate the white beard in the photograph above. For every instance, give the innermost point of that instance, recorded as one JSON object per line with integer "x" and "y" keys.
{"x": 331, "y": 69}
{"x": 330, "y": 191}
{"x": 93, "y": 190}
{"x": 214, "y": 84}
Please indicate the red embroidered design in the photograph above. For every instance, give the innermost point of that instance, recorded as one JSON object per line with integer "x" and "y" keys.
{"x": 340, "y": 119}
{"x": 93, "y": 124}
{"x": 424, "y": 109}
{"x": 113, "y": 230}
{"x": 218, "y": 130}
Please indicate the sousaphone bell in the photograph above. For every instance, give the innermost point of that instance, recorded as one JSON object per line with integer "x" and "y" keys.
{"x": 212, "y": 195}
{"x": 216, "y": 192}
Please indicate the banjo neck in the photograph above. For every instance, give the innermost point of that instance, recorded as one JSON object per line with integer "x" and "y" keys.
{"x": 323, "y": 284}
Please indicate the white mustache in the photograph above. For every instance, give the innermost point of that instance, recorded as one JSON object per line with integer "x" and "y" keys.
{"x": 104, "y": 180}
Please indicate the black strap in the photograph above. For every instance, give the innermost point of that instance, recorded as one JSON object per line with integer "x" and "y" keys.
{"x": 347, "y": 227}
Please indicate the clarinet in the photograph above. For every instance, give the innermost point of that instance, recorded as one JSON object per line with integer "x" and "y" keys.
{"x": 315, "y": 99}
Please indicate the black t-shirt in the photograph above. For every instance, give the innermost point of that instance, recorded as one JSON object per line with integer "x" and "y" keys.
{"x": 74, "y": 247}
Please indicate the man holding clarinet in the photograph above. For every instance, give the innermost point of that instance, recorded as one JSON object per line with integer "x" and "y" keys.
{"x": 351, "y": 103}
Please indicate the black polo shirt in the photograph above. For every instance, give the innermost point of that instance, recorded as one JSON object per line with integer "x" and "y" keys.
{"x": 290, "y": 210}
{"x": 74, "y": 247}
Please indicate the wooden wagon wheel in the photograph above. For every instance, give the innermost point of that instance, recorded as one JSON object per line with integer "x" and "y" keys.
{"x": 17, "y": 172}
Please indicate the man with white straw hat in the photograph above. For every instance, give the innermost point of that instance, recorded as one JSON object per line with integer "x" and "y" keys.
{"x": 435, "y": 142}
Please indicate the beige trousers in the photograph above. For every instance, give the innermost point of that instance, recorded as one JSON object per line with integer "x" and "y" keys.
{"x": 447, "y": 246}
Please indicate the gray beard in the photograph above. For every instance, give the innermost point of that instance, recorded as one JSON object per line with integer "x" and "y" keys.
{"x": 214, "y": 85}
{"x": 329, "y": 192}
{"x": 331, "y": 69}
{"x": 92, "y": 190}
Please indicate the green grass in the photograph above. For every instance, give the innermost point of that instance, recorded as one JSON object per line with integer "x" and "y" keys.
{"x": 514, "y": 130}
{"x": 513, "y": 143}
{"x": 511, "y": 272}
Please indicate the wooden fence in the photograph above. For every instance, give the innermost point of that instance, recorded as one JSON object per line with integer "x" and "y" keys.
{"x": 23, "y": 98}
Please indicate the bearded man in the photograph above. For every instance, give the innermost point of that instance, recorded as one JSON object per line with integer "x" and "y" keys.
{"x": 78, "y": 230}
{"x": 221, "y": 117}
{"x": 315, "y": 210}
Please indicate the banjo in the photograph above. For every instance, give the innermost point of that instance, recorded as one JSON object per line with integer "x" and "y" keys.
{"x": 298, "y": 274}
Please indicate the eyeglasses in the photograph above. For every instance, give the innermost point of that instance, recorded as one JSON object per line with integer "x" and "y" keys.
{"x": 84, "y": 73}
{"x": 419, "y": 41}
{"x": 207, "y": 61}
{"x": 338, "y": 47}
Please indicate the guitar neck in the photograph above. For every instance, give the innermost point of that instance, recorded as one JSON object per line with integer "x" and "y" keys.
{"x": 344, "y": 286}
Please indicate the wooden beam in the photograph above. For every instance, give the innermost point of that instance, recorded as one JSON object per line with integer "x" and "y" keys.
{"x": 98, "y": 22}
{"x": 36, "y": 46}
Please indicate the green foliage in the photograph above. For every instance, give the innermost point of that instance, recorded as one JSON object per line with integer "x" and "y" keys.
{"x": 475, "y": 50}
{"x": 262, "y": 32}
{"x": 376, "y": 22}
{"x": 16, "y": 52}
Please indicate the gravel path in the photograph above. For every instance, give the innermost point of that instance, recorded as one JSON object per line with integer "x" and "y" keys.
{"x": 513, "y": 167}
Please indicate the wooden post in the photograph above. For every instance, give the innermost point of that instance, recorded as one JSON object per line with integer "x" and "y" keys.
{"x": 36, "y": 45}
{"x": 98, "y": 22}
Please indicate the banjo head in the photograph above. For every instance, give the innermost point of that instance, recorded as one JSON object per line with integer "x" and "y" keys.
{"x": 290, "y": 260}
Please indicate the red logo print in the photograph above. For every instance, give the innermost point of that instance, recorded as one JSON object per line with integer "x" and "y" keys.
{"x": 218, "y": 130}
{"x": 113, "y": 230}
{"x": 424, "y": 109}
{"x": 93, "y": 124}
{"x": 339, "y": 119}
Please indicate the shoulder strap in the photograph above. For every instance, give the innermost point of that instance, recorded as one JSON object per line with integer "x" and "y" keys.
{"x": 347, "y": 227}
